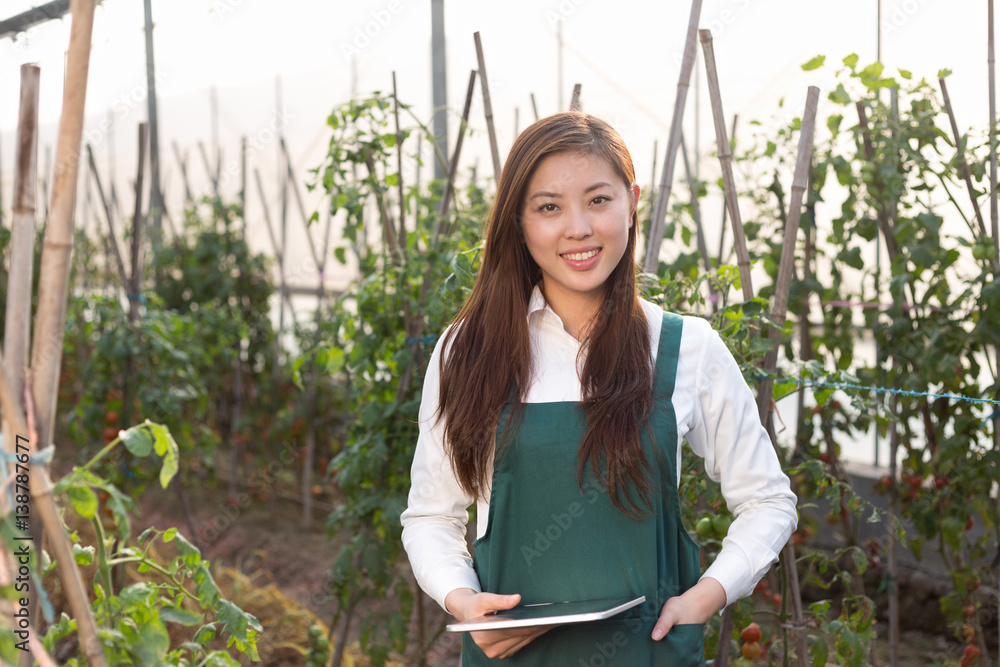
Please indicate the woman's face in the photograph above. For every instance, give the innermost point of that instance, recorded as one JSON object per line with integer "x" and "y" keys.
{"x": 575, "y": 218}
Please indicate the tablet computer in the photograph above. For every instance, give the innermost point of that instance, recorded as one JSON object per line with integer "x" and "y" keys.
{"x": 548, "y": 613}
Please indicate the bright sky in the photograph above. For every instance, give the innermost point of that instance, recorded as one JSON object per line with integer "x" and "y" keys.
{"x": 626, "y": 54}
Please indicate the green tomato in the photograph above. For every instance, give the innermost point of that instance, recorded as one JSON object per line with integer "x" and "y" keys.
{"x": 720, "y": 525}
{"x": 704, "y": 527}
{"x": 982, "y": 251}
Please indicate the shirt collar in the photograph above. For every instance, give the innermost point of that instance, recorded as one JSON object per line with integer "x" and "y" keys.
{"x": 537, "y": 302}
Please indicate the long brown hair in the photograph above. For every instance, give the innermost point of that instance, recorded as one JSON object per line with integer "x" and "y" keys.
{"x": 488, "y": 348}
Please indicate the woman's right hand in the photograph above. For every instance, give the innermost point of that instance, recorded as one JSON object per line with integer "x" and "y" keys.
{"x": 465, "y": 604}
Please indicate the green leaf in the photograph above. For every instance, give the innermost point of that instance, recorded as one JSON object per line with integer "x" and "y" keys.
{"x": 392, "y": 179}
{"x": 205, "y": 634}
{"x": 138, "y": 441}
{"x": 815, "y": 63}
{"x": 169, "y": 534}
{"x": 943, "y": 73}
{"x": 181, "y": 616}
{"x": 839, "y": 95}
{"x": 906, "y": 74}
{"x": 164, "y": 445}
{"x": 851, "y": 60}
{"x": 242, "y": 627}
{"x": 340, "y": 254}
{"x": 152, "y": 643}
{"x": 84, "y": 501}
{"x": 833, "y": 123}
{"x": 83, "y": 555}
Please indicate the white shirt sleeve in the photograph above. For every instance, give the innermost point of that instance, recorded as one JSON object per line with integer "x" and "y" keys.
{"x": 725, "y": 430}
{"x": 434, "y": 522}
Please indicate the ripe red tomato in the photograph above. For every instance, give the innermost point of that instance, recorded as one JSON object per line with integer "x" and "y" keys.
{"x": 971, "y": 652}
{"x": 751, "y": 634}
{"x": 968, "y": 611}
{"x": 970, "y": 523}
{"x": 776, "y": 600}
{"x": 111, "y": 417}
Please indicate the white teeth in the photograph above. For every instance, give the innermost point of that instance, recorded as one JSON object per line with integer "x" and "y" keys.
{"x": 580, "y": 256}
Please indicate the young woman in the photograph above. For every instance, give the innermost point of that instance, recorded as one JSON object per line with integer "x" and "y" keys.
{"x": 557, "y": 402}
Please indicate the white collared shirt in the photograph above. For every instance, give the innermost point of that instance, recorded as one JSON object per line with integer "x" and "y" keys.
{"x": 716, "y": 413}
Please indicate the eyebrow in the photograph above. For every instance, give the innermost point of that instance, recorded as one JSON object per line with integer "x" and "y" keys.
{"x": 595, "y": 186}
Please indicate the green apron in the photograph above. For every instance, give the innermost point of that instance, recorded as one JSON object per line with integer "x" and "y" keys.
{"x": 550, "y": 540}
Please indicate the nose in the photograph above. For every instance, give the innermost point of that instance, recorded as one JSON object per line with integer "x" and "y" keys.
{"x": 578, "y": 225}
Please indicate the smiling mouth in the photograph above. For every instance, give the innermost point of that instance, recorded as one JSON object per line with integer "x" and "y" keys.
{"x": 580, "y": 256}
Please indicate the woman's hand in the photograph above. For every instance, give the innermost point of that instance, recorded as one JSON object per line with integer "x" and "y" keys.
{"x": 465, "y": 603}
{"x": 696, "y": 605}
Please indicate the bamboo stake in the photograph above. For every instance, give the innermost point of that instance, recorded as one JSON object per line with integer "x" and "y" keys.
{"x": 652, "y": 181}
{"x": 112, "y": 237}
{"x": 574, "y": 101}
{"x": 893, "y": 566}
{"x": 695, "y": 210}
{"x": 208, "y": 168}
{"x": 17, "y": 327}
{"x": 994, "y": 225}
{"x": 517, "y": 121}
{"x": 534, "y": 106}
{"x": 298, "y": 199}
{"x": 452, "y": 170}
{"x": 46, "y": 175}
{"x": 787, "y": 265}
{"x": 182, "y": 161}
{"x": 439, "y": 231}
{"x": 58, "y": 242}
{"x": 725, "y": 210}
{"x": 963, "y": 165}
{"x": 399, "y": 169}
{"x": 274, "y": 241}
{"x": 50, "y": 320}
{"x": 655, "y": 237}
{"x": 726, "y": 159}
{"x": 487, "y": 107}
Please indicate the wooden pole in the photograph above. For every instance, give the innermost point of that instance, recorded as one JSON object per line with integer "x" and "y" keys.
{"x": 17, "y": 327}
{"x": 725, "y": 210}
{"x": 290, "y": 176}
{"x": 156, "y": 196}
{"x": 962, "y": 163}
{"x": 50, "y": 320}
{"x": 453, "y": 168}
{"x": 787, "y": 266}
{"x": 182, "y": 161}
{"x": 399, "y": 169}
{"x": 534, "y": 106}
{"x": 652, "y": 179}
{"x": 17, "y": 322}
{"x": 487, "y": 107}
{"x": 279, "y": 256}
{"x": 726, "y": 160}
{"x": 695, "y": 210}
{"x": 574, "y": 101}
{"x": 439, "y": 84}
{"x": 559, "y": 61}
{"x": 517, "y": 121}
{"x": 209, "y": 169}
{"x": 112, "y": 237}
{"x": 655, "y": 237}
{"x": 994, "y": 225}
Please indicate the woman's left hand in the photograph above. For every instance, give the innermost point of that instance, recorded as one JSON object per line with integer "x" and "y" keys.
{"x": 696, "y": 605}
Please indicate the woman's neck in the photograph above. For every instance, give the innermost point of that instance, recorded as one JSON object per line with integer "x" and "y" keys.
{"x": 576, "y": 311}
